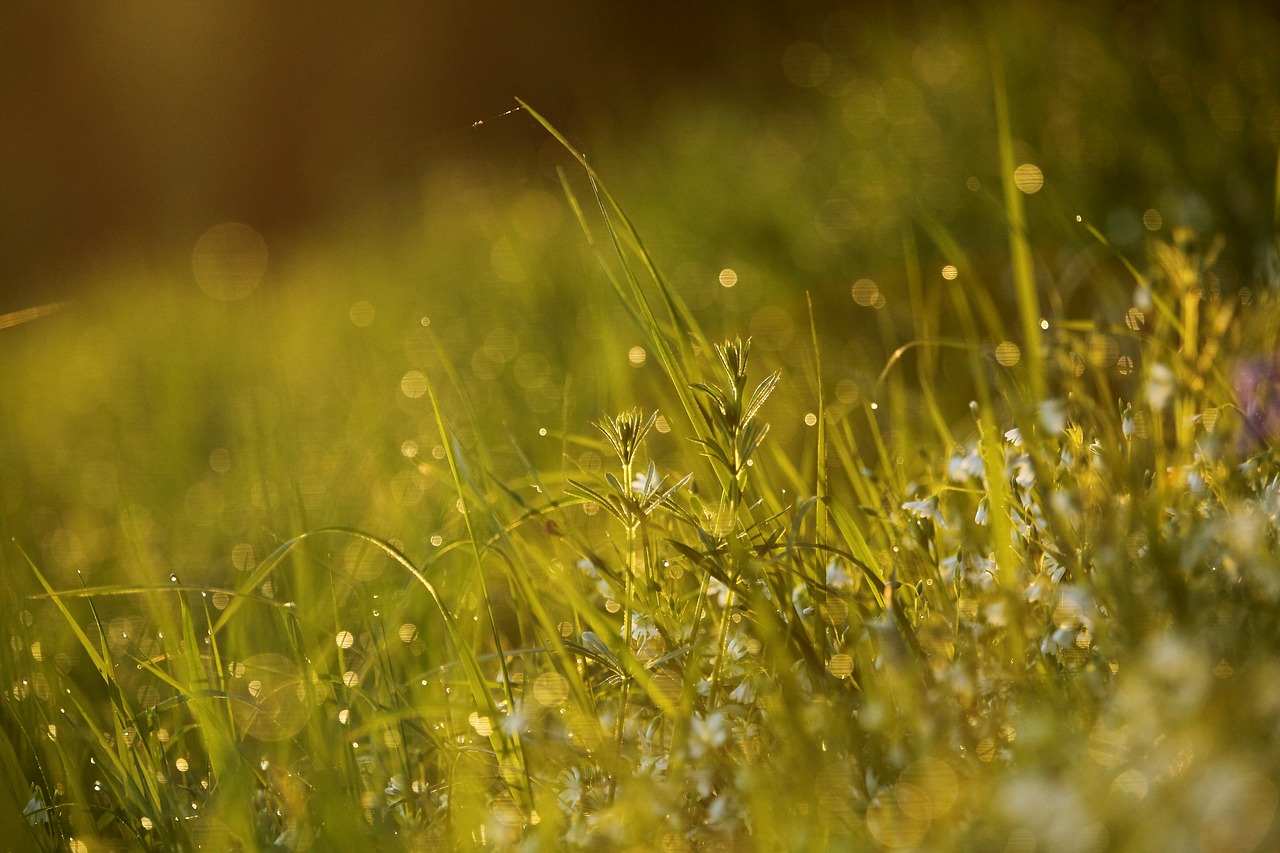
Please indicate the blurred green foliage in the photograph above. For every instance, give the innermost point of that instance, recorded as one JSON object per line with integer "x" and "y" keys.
{"x": 929, "y": 606}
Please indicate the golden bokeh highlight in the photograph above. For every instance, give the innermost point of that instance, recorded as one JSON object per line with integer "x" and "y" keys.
{"x": 229, "y": 261}
{"x": 935, "y": 788}
{"x": 272, "y": 688}
{"x": 728, "y": 277}
{"x": 836, "y": 794}
{"x": 483, "y": 725}
{"x": 950, "y": 272}
{"x": 1239, "y": 813}
{"x": 865, "y": 292}
{"x": 892, "y": 825}
{"x": 1028, "y": 178}
{"x": 361, "y": 314}
{"x": 550, "y": 689}
{"x": 413, "y": 384}
{"x": 1007, "y": 353}
{"x": 242, "y": 557}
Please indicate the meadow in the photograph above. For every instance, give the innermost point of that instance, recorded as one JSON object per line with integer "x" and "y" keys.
{"x": 862, "y": 472}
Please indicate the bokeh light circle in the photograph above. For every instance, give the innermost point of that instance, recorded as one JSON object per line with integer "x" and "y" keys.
{"x": 229, "y": 260}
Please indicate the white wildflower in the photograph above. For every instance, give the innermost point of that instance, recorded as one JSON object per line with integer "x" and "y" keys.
{"x": 836, "y": 576}
{"x": 515, "y": 722}
{"x": 949, "y": 565}
{"x": 1024, "y": 473}
{"x": 1053, "y": 416}
{"x": 744, "y": 693}
{"x": 35, "y": 811}
{"x": 1160, "y": 386}
{"x": 643, "y": 628}
{"x": 1053, "y": 568}
{"x": 926, "y": 509}
{"x": 642, "y": 482}
{"x": 572, "y": 790}
{"x": 961, "y": 467}
{"x": 707, "y": 732}
{"x": 717, "y": 590}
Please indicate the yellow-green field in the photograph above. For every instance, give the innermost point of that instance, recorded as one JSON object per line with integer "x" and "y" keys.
{"x": 892, "y": 467}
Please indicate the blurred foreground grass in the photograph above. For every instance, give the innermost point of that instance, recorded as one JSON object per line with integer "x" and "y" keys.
{"x": 345, "y": 562}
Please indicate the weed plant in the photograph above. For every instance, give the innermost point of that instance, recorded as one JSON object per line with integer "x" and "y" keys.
{"x": 1045, "y": 619}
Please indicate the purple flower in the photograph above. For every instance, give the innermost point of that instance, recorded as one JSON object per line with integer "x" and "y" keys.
{"x": 1257, "y": 387}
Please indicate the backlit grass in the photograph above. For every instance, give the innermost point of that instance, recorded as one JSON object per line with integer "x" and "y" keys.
{"x": 377, "y": 567}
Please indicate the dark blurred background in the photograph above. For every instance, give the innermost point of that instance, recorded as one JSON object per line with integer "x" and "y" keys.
{"x": 127, "y": 129}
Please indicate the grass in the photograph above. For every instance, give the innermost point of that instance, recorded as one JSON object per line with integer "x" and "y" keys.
{"x": 1018, "y": 591}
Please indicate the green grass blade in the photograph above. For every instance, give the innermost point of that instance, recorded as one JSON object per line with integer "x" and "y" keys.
{"x": 1019, "y": 244}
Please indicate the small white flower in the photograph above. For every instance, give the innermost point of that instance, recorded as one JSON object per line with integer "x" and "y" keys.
{"x": 571, "y": 792}
{"x": 963, "y": 467}
{"x": 1061, "y": 638}
{"x": 996, "y": 615}
{"x": 765, "y": 589}
{"x": 35, "y": 811}
{"x": 643, "y": 628}
{"x": 949, "y": 565}
{"x": 982, "y": 516}
{"x": 1160, "y": 386}
{"x": 1023, "y": 472}
{"x": 704, "y": 780}
{"x": 723, "y": 809}
{"x": 515, "y": 722}
{"x": 836, "y": 576}
{"x": 654, "y": 766}
{"x": 717, "y": 590}
{"x": 744, "y": 693}
{"x": 1014, "y": 437}
{"x": 926, "y": 509}
{"x": 707, "y": 732}
{"x": 1053, "y": 416}
{"x": 1052, "y": 567}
